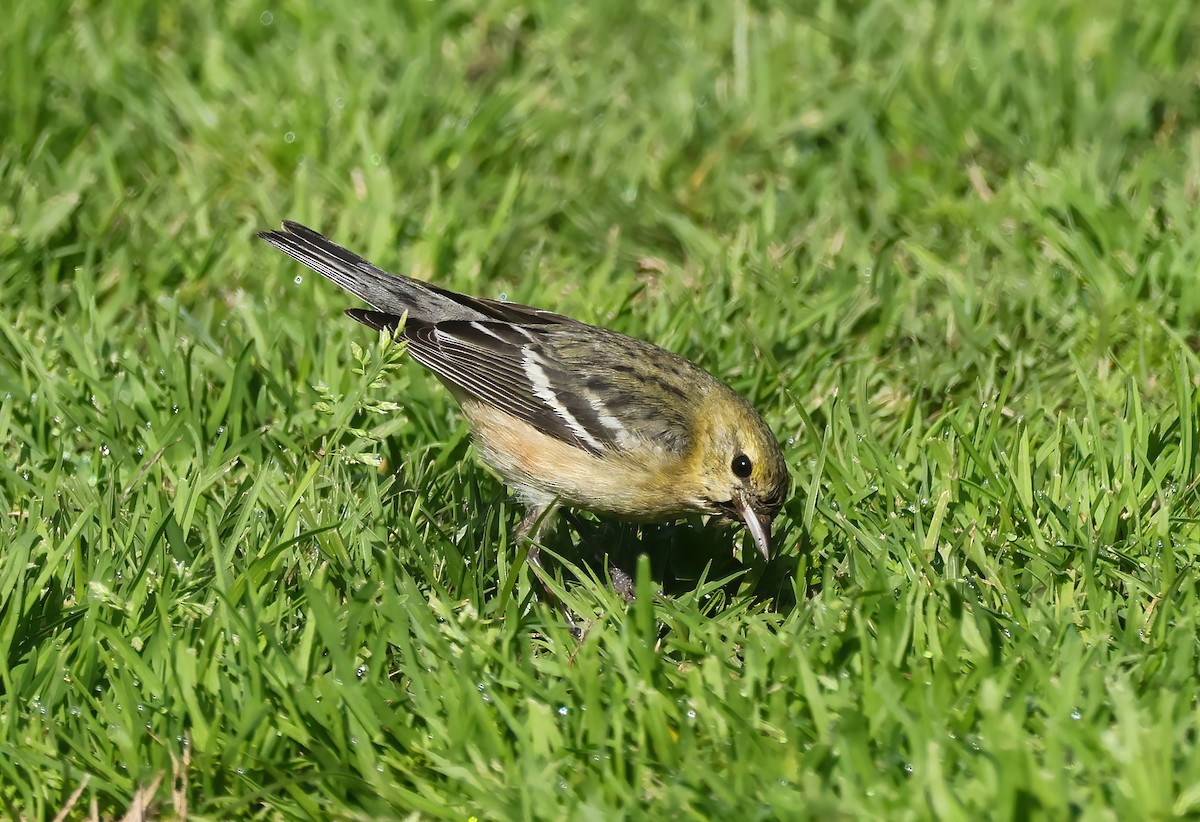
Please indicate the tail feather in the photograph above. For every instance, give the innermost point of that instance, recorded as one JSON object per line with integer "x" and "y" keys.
{"x": 391, "y": 293}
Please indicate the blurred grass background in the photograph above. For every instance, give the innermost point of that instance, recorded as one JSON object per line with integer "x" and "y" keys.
{"x": 948, "y": 249}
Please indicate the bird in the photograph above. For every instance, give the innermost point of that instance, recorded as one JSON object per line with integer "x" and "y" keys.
{"x": 572, "y": 415}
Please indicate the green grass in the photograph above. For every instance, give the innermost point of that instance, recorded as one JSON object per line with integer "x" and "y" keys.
{"x": 950, "y": 251}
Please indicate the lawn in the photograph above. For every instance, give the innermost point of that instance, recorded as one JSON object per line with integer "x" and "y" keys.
{"x": 951, "y": 252}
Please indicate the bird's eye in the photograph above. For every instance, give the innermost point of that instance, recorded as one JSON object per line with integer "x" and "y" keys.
{"x": 741, "y": 466}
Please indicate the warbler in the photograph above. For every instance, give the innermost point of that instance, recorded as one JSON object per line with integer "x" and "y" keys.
{"x": 569, "y": 414}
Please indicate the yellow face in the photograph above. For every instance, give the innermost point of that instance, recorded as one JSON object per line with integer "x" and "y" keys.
{"x": 744, "y": 476}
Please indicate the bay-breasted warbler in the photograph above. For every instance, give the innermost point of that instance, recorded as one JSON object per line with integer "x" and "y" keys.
{"x": 570, "y": 414}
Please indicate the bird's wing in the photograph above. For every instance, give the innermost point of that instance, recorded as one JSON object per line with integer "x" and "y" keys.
{"x": 557, "y": 377}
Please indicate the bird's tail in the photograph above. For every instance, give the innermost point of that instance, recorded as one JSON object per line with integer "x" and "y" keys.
{"x": 391, "y": 293}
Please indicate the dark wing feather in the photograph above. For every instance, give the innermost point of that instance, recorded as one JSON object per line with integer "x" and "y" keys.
{"x": 493, "y": 363}
{"x": 587, "y": 386}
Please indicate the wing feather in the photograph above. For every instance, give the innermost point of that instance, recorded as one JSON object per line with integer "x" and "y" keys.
{"x": 573, "y": 392}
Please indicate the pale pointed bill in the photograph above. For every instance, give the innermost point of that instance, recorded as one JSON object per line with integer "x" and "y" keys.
{"x": 759, "y": 531}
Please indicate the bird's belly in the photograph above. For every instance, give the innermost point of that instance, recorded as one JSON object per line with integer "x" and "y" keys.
{"x": 543, "y": 468}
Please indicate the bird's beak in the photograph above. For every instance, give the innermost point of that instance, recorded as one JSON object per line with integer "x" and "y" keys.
{"x": 760, "y": 530}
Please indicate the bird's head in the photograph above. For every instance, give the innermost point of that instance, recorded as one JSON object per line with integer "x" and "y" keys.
{"x": 741, "y": 470}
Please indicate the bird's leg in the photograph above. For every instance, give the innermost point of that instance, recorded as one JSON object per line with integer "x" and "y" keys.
{"x": 536, "y": 518}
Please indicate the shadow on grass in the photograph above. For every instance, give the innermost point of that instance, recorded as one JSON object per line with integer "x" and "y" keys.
{"x": 684, "y": 555}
